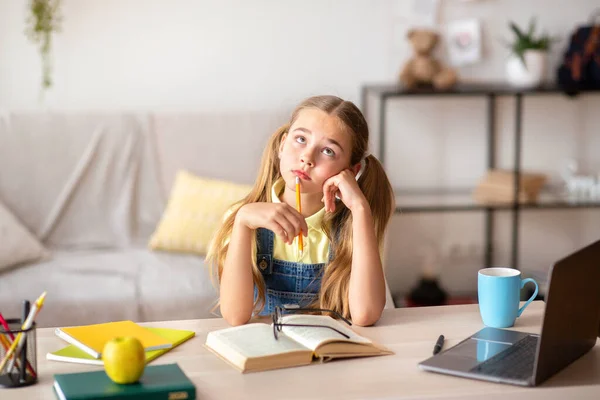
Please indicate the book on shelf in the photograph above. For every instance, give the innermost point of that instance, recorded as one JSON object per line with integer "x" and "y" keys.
{"x": 158, "y": 382}
{"x": 253, "y": 347}
{"x": 72, "y": 353}
{"x": 498, "y": 186}
{"x": 92, "y": 338}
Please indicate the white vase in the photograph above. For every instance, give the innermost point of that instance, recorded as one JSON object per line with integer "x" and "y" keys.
{"x": 531, "y": 73}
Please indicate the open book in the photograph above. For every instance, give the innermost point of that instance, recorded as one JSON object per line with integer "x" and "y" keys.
{"x": 253, "y": 347}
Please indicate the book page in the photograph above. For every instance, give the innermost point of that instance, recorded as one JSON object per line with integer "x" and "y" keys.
{"x": 312, "y": 337}
{"x": 251, "y": 341}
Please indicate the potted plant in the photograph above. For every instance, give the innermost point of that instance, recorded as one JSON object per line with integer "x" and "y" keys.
{"x": 43, "y": 21}
{"x": 526, "y": 65}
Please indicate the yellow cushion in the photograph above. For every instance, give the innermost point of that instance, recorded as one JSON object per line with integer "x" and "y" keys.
{"x": 194, "y": 212}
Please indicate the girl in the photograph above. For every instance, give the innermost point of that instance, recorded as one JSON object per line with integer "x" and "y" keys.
{"x": 347, "y": 201}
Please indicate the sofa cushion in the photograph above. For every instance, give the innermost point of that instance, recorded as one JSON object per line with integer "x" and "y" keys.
{"x": 71, "y": 179}
{"x": 83, "y": 287}
{"x": 17, "y": 244}
{"x": 198, "y": 142}
{"x": 174, "y": 286}
{"x": 194, "y": 212}
{"x": 94, "y": 286}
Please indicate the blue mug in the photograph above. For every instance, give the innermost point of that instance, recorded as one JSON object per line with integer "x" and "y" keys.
{"x": 499, "y": 293}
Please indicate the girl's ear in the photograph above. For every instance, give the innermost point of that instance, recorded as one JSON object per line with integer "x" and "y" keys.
{"x": 356, "y": 170}
{"x": 282, "y": 143}
{"x": 359, "y": 169}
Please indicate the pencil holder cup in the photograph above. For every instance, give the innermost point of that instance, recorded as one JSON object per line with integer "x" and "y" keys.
{"x": 21, "y": 368}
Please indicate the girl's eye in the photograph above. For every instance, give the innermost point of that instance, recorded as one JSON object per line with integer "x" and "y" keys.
{"x": 328, "y": 152}
{"x": 300, "y": 139}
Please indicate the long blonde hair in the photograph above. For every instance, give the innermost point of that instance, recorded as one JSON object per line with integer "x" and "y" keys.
{"x": 373, "y": 182}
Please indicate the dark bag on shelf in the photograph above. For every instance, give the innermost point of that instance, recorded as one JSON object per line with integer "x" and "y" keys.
{"x": 580, "y": 68}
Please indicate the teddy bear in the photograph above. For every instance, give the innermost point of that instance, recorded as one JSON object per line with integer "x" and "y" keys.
{"x": 422, "y": 69}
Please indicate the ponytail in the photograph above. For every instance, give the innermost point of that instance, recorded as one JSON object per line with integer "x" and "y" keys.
{"x": 378, "y": 191}
{"x": 261, "y": 192}
{"x": 379, "y": 194}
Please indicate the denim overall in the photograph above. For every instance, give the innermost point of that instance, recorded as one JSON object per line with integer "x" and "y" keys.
{"x": 286, "y": 282}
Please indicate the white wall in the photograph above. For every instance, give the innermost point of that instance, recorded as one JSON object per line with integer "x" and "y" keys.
{"x": 209, "y": 55}
{"x": 229, "y": 55}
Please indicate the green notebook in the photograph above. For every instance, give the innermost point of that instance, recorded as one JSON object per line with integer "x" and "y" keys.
{"x": 158, "y": 382}
{"x": 71, "y": 353}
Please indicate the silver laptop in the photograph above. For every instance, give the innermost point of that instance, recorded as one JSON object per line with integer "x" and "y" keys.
{"x": 569, "y": 330}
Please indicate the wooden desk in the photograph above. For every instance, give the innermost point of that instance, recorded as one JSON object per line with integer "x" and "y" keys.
{"x": 410, "y": 332}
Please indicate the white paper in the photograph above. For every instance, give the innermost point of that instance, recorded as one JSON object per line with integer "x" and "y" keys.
{"x": 312, "y": 337}
{"x": 426, "y": 11}
{"x": 254, "y": 340}
{"x": 463, "y": 39}
{"x": 422, "y": 13}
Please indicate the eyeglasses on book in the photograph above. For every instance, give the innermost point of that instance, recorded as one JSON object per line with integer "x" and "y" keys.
{"x": 279, "y": 311}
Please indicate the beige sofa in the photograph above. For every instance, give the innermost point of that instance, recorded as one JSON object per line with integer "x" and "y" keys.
{"x": 92, "y": 188}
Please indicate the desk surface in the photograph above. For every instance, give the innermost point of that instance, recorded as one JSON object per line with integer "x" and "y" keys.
{"x": 410, "y": 332}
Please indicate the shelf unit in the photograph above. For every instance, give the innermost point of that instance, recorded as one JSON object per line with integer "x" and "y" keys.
{"x": 457, "y": 200}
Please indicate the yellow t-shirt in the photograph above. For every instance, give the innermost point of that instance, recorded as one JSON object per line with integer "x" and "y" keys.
{"x": 316, "y": 245}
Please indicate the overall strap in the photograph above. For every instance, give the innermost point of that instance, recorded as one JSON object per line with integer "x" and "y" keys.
{"x": 264, "y": 241}
{"x": 264, "y": 250}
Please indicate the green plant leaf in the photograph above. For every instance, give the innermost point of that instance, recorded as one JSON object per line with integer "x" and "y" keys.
{"x": 528, "y": 41}
{"x": 43, "y": 20}
{"x": 517, "y": 31}
{"x": 532, "y": 23}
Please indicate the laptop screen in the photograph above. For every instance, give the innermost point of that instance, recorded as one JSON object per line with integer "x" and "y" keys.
{"x": 572, "y": 317}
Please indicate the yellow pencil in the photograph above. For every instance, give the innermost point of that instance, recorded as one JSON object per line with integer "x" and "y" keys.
{"x": 5, "y": 342}
{"x": 6, "y": 345}
{"x": 26, "y": 325}
{"x": 299, "y": 208}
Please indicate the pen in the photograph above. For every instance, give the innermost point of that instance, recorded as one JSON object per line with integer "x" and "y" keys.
{"x": 6, "y": 342}
{"x": 26, "y": 309}
{"x": 438, "y": 345}
{"x": 299, "y": 208}
{"x": 6, "y": 327}
{"x": 26, "y": 325}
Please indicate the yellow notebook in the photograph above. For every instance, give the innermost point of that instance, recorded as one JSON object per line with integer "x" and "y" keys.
{"x": 91, "y": 338}
{"x": 73, "y": 354}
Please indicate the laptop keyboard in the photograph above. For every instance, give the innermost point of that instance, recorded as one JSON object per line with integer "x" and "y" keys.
{"x": 516, "y": 362}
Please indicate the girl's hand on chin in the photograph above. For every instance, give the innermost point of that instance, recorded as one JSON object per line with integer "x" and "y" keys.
{"x": 285, "y": 221}
{"x": 343, "y": 185}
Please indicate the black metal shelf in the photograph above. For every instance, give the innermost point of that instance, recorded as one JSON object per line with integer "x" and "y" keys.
{"x": 451, "y": 202}
{"x": 459, "y": 200}
{"x": 465, "y": 89}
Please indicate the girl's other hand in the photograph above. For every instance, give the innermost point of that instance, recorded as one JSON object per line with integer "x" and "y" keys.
{"x": 285, "y": 221}
{"x": 343, "y": 185}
